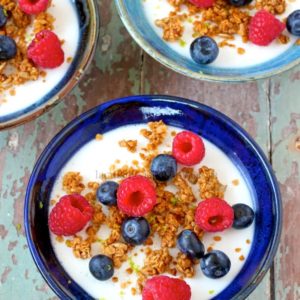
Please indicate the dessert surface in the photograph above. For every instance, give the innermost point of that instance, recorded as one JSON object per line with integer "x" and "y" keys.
{"x": 131, "y": 155}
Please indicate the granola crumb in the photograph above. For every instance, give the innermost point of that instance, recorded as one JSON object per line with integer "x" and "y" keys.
{"x": 235, "y": 182}
{"x": 115, "y": 279}
{"x": 238, "y": 249}
{"x": 242, "y": 258}
{"x": 99, "y": 137}
{"x": 297, "y": 42}
{"x": 241, "y": 51}
{"x": 131, "y": 145}
{"x": 210, "y": 248}
{"x": 133, "y": 291}
{"x": 53, "y": 202}
{"x": 69, "y": 59}
{"x": 60, "y": 239}
{"x": 248, "y": 241}
{"x": 184, "y": 265}
{"x": 217, "y": 238}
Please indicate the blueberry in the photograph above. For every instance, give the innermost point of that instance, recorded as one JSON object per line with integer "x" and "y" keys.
{"x": 204, "y": 50}
{"x": 239, "y": 3}
{"x": 3, "y": 16}
{"x": 163, "y": 167}
{"x": 215, "y": 264}
{"x": 8, "y": 48}
{"x": 189, "y": 244}
{"x": 107, "y": 193}
{"x": 293, "y": 23}
{"x": 101, "y": 267}
{"x": 243, "y": 216}
{"x": 135, "y": 230}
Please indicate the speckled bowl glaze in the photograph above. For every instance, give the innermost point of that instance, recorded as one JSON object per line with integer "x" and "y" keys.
{"x": 135, "y": 20}
{"x": 89, "y": 28}
{"x": 201, "y": 119}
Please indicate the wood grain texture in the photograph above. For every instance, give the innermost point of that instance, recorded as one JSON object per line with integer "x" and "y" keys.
{"x": 269, "y": 110}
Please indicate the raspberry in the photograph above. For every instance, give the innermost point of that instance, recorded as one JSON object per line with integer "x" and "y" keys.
{"x": 203, "y": 3}
{"x": 136, "y": 196}
{"x": 70, "y": 215}
{"x": 166, "y": 288}
{"x": 33, "y": 7}
{"x": 264, "y": 28}
{"x": 188, "y": 148}
{"x": 45, "y": 50}
{"x": 214, "y": 214}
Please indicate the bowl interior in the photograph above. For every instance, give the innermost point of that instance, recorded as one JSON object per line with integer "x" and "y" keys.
{"x": 88, "y": 18}
{"x": 135, "y": 20}
{"x": 212, "y": 125}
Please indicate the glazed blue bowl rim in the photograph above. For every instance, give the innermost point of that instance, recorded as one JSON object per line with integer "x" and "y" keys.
{"x": 74, "y": 74}
{"x": 273, "y": 243}
{"x": 173, "y": 65}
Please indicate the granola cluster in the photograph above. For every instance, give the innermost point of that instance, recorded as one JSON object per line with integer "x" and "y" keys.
{"x": 221, "y": 20}
{"x": 20, "y": 69}
{"x": 173, "y": 212}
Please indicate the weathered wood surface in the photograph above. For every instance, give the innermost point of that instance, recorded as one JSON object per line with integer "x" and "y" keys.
{"x": 269, "y": 110}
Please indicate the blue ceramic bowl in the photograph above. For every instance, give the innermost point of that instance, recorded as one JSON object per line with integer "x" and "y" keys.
{"x": 88, "y": 17}
{"x": 136, "y": 22}
{"x": 207, "y": 122}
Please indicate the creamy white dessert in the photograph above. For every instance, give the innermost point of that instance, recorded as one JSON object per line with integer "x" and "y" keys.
{"x": 66, "y": 27}
{"x": 94, "y": 159}
{"x": 228, "y": 56}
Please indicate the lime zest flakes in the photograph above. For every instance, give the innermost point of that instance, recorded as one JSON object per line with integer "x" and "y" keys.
{"x": 133, "y": 265}
{"x": 102, "y": 298}
{"x": 41, "y": 205}
{"x": 151, "y": 218}
{"x": 174, "y": 201}
{"x": 19, "y": 227}
{"x": 5, "y": 12}
{"x": 211, "y": 292}
{"x": 190, "y": 20}
{"x": 182, "y": 43}
{"x": 100, "y": 240}
{"x": 122, "y": 294}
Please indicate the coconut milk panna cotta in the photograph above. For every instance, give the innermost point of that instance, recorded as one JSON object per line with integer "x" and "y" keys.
{"x": 38, "y": 41}
{"x": 226, "y": 33}
{"x": 159, "y": 214}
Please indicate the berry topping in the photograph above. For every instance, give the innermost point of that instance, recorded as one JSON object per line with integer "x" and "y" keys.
{"x": 45, "y": 50}
{"x": 107, "y": 193}
{"x": 166, "y": 288}
{"x": 189, "y": 244}
{"x": 293, "y": 23}
{"x": 101, "y": 267}
{"x": 188, "y": 148}
{"x": 203, "y": 3}
{"x": 3, "y": 16}
{"x": 70, "y": 215}
{"x": 239, "y": 3}
{"x": 264, "y": 28}
{"x": 135, "y": 231}
{"x": 214, "y": 214}
{"x": 136, "y": 196}
{"x": 215, "y": 264}
{"x": 8, "y": 48}
{"x": 243, "y": 216}
{"x": 163, "y": 167}
{"x": 204, "y": 50}
{"x": 33, "y": 7}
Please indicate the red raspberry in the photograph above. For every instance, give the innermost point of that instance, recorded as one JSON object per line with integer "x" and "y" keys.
{"x": 188, "y": 148}
{"x": 45, "y": 50}
{"x": 136, "y": 196}
{"x": 166, "y": 288}
{"x": 264, "y": 28}
{"x": 33, "y": 7}
{"x": 203, "y": 3}
{"x": 70, "y": 215}
{"x": 214, "y": 214}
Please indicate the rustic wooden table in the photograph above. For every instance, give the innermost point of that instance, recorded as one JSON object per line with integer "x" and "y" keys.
{"x": 269, "y": 110}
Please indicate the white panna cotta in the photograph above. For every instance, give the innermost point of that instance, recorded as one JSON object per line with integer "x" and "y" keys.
{"x": 66, "y": 27}
{"x": 94, "y": 159}
{"x": 228, "y": 56}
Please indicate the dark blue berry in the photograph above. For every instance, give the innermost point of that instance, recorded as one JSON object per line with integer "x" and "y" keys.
{"x": 243, "y": 216}
{"x": 3, "y": 16}
{"x": 189, "y": 244}
{"x": 107, "y": 193}
{"x": 163, "y": 167}
{"x": 8, "y": 48}
{"x": 239, "y": 3}
{"x": 101, "y": 267}
{"x": 204, "y": 50}
{"x": 293, "y": 23}
{"x": 215, "y": 264}
{"x": 135, "y": 231}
